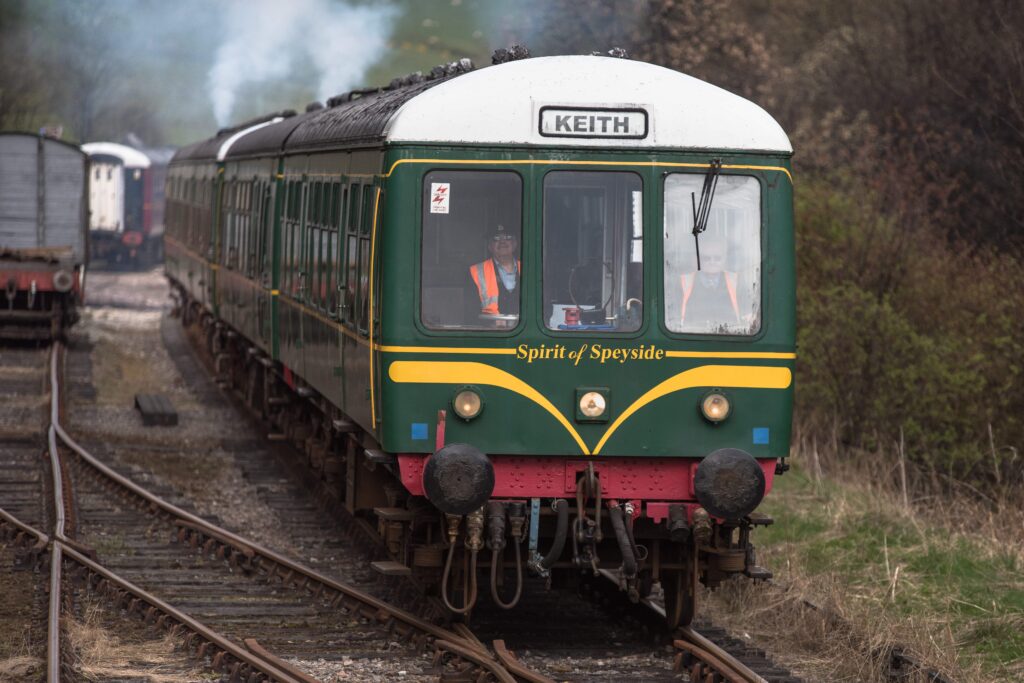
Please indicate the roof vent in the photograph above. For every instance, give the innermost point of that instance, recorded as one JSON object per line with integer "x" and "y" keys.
{"x": 616, "y": 52}
{"x": 314, "y": 106}
{"x": 407, "y": 80}
{"x": 501, "y": 55}
{"x": 351, "y": 95}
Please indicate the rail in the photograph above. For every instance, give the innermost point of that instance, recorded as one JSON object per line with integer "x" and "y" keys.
{"x": 235, "y": 548}
{"x": 698, "y": 654}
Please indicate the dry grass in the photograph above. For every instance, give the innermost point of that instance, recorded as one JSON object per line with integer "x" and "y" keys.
{"x": 20, "y": 658}
{"x": 21, "y": 668}
{"x": 101, "y": 654}
{"x": 939, "y": 576}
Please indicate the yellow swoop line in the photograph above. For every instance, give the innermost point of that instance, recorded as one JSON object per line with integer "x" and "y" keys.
{"x": 564, "y": 162}
{"x": 731, "y": 376}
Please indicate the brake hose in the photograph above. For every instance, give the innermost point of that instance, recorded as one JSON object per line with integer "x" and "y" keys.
{"x": 561, "y": 508}
{"x": 470, "y": 589}
{"x": 495, "y": 561}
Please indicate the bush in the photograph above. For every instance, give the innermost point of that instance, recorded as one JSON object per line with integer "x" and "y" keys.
{"x": 902, "y": 329}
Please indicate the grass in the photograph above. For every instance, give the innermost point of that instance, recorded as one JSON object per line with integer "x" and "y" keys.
{"x": 941, "y": 578}
{"x": 106, "y": 546}
{"x": 101, "y": 654}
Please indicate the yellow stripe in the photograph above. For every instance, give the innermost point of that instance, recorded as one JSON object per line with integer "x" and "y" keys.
{"x": 325, "y": 320}
{"x": 760, "y": 355}
{"x": 734, "y": 376}
{"x": 275, "y": 292}
{"x": 767, "y": 355}
{"x": 563, "y": 162}
{"x": 339, "y": 175}
{"x": 373, "y": 247}
{"x": 440, "y": 372}
{"x": 447, "y": 349}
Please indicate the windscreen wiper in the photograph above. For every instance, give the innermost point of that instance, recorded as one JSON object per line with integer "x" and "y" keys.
{"x": 702, "y": 210}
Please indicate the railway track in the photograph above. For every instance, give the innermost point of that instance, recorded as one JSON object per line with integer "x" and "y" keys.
{"x": 644, "y": 653}
{"x": 238, "y": 589}
{"x": 23, "y": 493}
{"x": 228, "y": 600}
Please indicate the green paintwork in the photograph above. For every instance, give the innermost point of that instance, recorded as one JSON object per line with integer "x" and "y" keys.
{"x": 512, "y": 424}
{"x": 330, "y": 352}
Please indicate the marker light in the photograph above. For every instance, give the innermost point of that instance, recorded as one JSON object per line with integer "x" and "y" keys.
{"x": 715, "y": 407}
{"x": 592, "y": 404}
{"x": 467, "y": 404}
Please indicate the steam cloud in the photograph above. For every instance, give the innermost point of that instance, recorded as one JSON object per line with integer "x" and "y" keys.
{"x": 262, "y": 37}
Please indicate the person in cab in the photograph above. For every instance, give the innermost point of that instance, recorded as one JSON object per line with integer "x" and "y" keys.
{"x": 709, "y": 294}
{"x": 496, "y": 280}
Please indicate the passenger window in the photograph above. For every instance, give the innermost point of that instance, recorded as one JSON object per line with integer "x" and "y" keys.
{"x": 353, "y": 213}
{"x": 721, "y": 294}
{"x": 351, "y": 275}
{"x": 470, "y": 264}
{"x": 352, "y": 253}
{"x": 364, "y": 283}
{"x": 367, "y": 209}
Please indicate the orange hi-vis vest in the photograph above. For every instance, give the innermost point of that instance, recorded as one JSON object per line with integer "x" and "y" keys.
{"x": 688, "y": 280}
{"x": 486, "y": 280}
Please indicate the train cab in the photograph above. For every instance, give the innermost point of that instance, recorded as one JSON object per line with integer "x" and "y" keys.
{"x": 596, "y": 301}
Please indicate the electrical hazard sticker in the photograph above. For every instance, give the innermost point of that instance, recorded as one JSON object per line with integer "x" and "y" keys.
{"x": 440, "y": 196}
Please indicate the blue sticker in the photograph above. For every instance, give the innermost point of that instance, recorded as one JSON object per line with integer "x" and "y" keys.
{"x": 419, "y": 431}
{"x": 761, "y": 435}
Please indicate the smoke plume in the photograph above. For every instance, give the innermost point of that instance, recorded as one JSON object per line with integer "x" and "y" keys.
{"x": 264, "y": 38}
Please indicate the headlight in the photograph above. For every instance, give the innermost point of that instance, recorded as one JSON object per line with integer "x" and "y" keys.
{"x": 592, "y": 404}
{"x": 715, "y": 407}
{"x": 467, "y": 404}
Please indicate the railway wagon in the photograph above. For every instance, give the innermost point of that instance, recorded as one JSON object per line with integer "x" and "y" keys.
{"x": 545, "y": 307}
{"x": 125, "y": 204}
{"x": 44, "y": 235}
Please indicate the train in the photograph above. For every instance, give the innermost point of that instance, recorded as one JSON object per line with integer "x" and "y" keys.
{"x": 44, "y": 235}
{"x": 535, "y": 318}
{"x": 126, "y": 205}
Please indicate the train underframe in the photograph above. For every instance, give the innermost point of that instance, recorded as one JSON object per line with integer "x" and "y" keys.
{"x": 37, "y": 301}
{"x": 130, "y": 249}
{"x": 639, "y": 543}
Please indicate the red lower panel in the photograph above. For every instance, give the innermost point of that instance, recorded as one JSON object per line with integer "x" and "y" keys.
{"x": 660, "y": 479}
{"x": 23, "y": 279}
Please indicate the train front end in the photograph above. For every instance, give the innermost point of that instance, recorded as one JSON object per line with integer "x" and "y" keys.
{"x": 43, "y": 235}
{"x": 586, "y": 353}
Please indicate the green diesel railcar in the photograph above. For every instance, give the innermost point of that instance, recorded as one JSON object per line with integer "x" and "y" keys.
{"x": 477, "y": 296}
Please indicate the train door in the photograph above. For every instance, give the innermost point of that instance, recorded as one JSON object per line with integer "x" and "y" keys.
{"x": 373, "y": 303}
{"x": 106, "y": 196}
{"x": 261, "y": 270}
{"x": 356, "y": 366}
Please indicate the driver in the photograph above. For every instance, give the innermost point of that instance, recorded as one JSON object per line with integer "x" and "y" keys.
{"x": 496, "y": 279}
